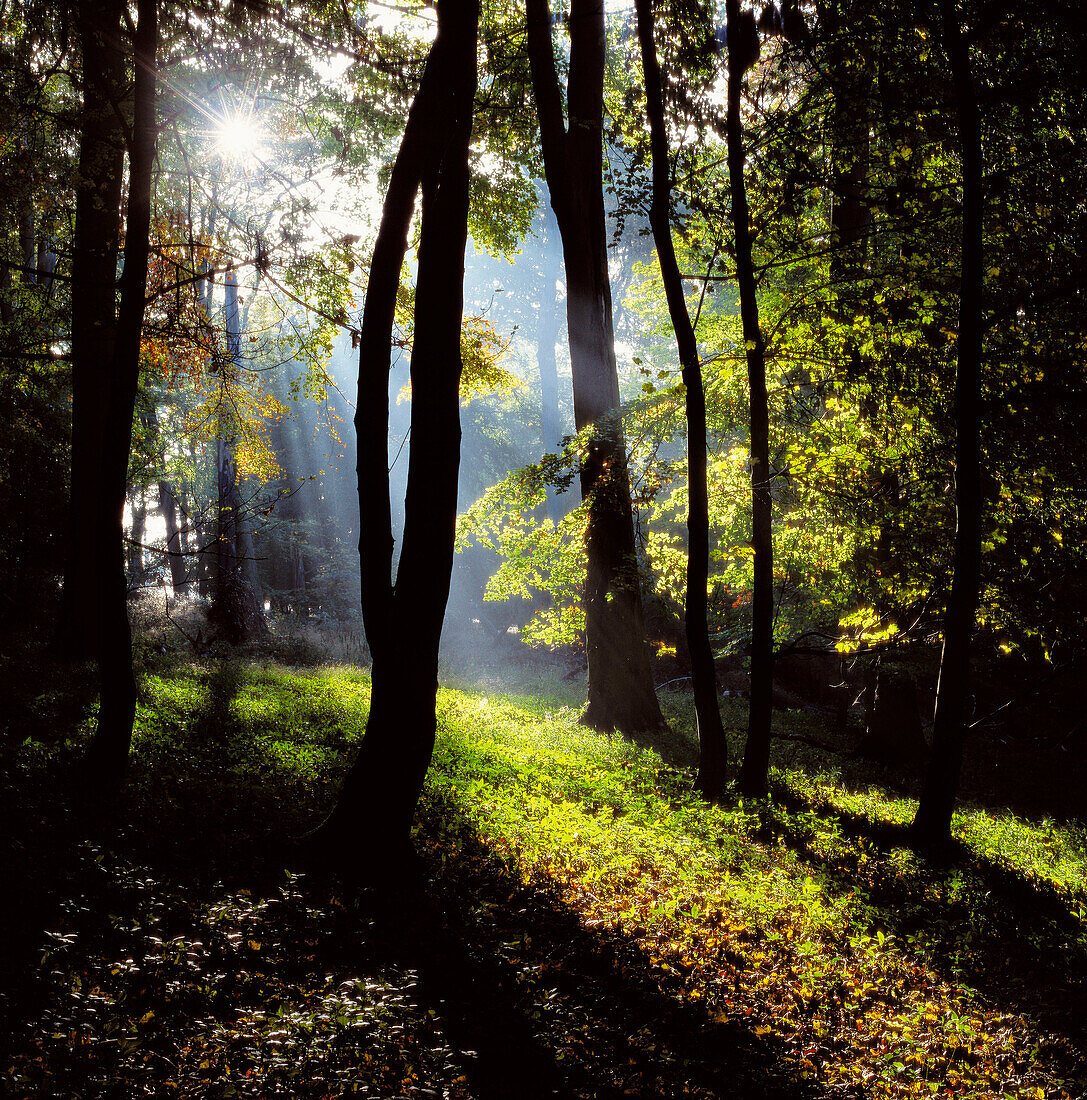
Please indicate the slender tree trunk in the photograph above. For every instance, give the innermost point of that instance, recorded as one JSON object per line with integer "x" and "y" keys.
{"x": 713, "y": 749}
{"x": 109, "y": 749}
{"x": 621, "y": 694}
{"x": 235, "y": 608}
{"x": 547, "y": 329}
{"x": 370, "y": 825}
{"x": 933, "y": 821}
{"x": 7, "y": 310}
{"x": 174, "y": 552}
{"x": 94, "y": 308}
{"x": 754, "y": 772}
{"x": 139, "y": 528}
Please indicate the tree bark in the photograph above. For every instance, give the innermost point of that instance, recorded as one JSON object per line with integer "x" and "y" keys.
{"x": 134, "y": 564}
{"x": 753, "y": 776}
{"x": 174, "y": 554}
{"x": 712, "y": 747}
{"x": 370, "y": 825}
{"x": 547, "y": 329}
{"x": 932, "y": 823}
{"x": 620, "y": 694}
{"x": 109, "y": 750}
{"x": 235, "y": 609}
{"x": 94, "y": 308}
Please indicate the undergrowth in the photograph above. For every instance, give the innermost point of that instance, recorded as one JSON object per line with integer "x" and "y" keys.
{"x": 801, "y": 923}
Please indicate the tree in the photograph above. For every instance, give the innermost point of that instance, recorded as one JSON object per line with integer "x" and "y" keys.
{"x": 235, "y": 607}
{"x": 372, "y": 818}
{"x": 620, "y": 692}
{"x": 933, "y": 820}
{"x": 713, "y": 750}
{"x": 94, "y": 312}
{"x": 547, "y": 328}
{"x": 117, "y": 708}
{"x": 743, "y": 51}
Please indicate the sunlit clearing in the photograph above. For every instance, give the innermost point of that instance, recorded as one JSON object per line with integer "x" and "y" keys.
{"x": 238, "y": 137}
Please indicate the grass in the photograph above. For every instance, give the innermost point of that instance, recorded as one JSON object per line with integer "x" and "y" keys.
{"x": 575, "y": 872}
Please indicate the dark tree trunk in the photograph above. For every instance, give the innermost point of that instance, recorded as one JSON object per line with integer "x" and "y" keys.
{"x": 621, "y": 694}
{"x": 712, "y": 747}
{"x": 370, "y": 825}
{"x": 109, "y": 749}
{"x": 933, "y": 821}
{"x": 139, "y": 528}
{"x": 547, "y": 330}
{"x": 7, "y": 310}
{"x": 94, "y": 307}
{"x": 174, "y": 552}
{"x": 753, "y": 774}
{"x": 235, "y": 608}
{"x": 850, "y": 215}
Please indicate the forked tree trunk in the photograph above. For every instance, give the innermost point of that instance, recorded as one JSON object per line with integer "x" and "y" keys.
{"x": 621, "y": 694}
{"x": 754, "y": 772}
{"x": 94, "y": 309}
{"x": 109, "y": 750}
{"x": 369, "y": 827}
{"x": 933, "y": 821}
{"x": 712, "y": 747}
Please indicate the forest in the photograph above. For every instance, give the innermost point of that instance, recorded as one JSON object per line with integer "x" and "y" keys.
{"x": 543, "y": 548}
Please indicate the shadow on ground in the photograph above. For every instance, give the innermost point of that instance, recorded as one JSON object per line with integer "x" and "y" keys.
{"x": 172, "y": 955}
{"x": 166, "y": 951}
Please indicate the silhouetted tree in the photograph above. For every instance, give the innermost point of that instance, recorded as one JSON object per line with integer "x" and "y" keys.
{"x": 621, "y": 694}
{"x": 713, "y": 749}
{"x": 371, "y": 821}
{"x": 933, "y": 821}
{"x": 117, "y": 709}
{"x": 743, "y": 51}
{"x": 94, "y": 311}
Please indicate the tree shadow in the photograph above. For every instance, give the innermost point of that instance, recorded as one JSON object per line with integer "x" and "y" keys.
{"x": 541, "y": 1006}
{"x": 1012, "y": 938}
{"x": 171, "y": 946}
{"x": 500, "y": 987}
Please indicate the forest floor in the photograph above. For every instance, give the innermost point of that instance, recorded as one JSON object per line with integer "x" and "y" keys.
{"x": 588, "y": 928}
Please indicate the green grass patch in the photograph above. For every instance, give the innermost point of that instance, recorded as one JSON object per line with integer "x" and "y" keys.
{"x": 859, "y": 957}
{"x": 801, "y": 919}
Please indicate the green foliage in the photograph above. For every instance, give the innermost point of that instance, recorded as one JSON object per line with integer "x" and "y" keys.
{"x": 537, "y": 557}
{"x": 756, "y": 907}
{"x": 801, "y": 919}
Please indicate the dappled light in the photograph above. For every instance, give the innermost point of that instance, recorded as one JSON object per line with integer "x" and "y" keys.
{"x": 584, "y": 915}
{"x": 544, "y": 550}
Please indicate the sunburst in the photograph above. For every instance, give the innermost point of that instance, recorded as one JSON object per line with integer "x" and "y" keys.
{"x": 239, "y": 137}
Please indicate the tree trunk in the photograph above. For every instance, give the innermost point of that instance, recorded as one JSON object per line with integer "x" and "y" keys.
{"x": 621, "y": 694}
{"x": 932, "y": 824}
{"x": 753, "y": 774}
{"x": 139, "y": 528}
{"x": 547, "y": 330}
{"x": 371, "y": 822}
{"x": 235, "y": 608}
{"x": 712, "y": 747}
{"x": 7, "y": 310}
{"x": 109, "y": 750}
{"x": 94, "y": 281}
{"x": 174, "y": 552}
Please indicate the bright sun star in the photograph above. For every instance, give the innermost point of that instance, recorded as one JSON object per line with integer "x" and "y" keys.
{"x": 238, "y": 137}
